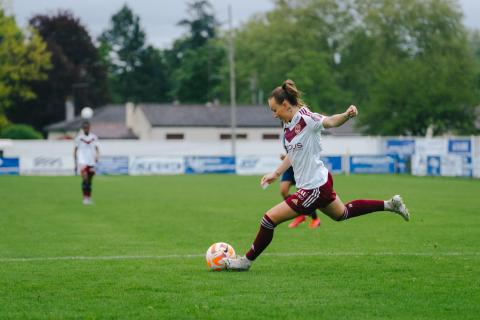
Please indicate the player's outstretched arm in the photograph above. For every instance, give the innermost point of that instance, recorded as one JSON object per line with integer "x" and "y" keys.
{"x": 271, "y": 177}
{"x": 338, "y": 119}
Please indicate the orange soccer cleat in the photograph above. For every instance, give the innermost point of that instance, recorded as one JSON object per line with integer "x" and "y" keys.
{"x": 315, "y": 223}
{"x": 297, "y": 221}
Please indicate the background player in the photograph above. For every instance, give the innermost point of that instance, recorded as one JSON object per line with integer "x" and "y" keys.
{"x": 86, "y": 155}
{"x": 314, "y": 182}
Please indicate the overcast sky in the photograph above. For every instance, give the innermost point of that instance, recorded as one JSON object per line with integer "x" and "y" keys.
{"x": 159, "y": 17}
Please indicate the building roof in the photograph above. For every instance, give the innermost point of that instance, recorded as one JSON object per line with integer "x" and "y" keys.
{"x": 163, "y": 115}
{"x": 108, "y": 122}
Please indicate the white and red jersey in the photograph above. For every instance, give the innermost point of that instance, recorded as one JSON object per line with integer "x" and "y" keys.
{"x": 86, "y": 148}
{"x": 303, "y": 144}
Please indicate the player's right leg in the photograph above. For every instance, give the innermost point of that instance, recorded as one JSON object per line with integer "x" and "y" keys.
{"x": 276, "y": 215}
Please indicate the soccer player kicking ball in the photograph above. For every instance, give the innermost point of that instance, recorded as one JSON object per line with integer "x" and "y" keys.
{"x": 86, "y": 155}
{"x": 314, "y": 182}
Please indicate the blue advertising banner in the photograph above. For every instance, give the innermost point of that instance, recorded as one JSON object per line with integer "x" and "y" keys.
{"x": 400, "y": 146}
{"x": 372, "y": 164}
{"x": 112, "y": 165}
{"x": 333, "y": 163}
{"x": 204, "y": 164}
{"x": 9, "y": 166}
{"x": 434, "y": 164}
{"x": 459, "y": 146}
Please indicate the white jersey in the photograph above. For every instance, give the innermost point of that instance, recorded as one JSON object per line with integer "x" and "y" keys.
{"x": 86, "y": 148}
{"x": 302, "y": 140}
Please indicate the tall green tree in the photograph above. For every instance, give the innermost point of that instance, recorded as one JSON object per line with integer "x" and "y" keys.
{"x": 136, "y": 71}
{"x": 76, "y": 72}
{"x": 406, "y": 63}
{"x": 196, "y": 59}
{"x": 415, "y": 67}
{"x": 23, "y": 58}
{"x": 292, "y": 41}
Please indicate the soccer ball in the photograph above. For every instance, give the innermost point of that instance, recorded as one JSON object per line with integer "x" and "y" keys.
{"x": 86, "y": 113}
{"x": 216, "y": 253}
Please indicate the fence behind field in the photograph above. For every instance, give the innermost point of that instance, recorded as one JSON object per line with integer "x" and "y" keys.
{"x": 445, "y": 156}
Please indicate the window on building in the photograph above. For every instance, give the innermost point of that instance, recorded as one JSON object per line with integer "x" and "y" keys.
{"x": 271, "y": 136}
{"x": 174, "y": 136}
{"x": 228, "y": 136}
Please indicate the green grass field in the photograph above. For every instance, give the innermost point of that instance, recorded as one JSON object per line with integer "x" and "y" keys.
{"x": 138, "y": 252}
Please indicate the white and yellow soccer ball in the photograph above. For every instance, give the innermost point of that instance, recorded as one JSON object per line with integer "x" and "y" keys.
{"x": 216, "y": 253}
{"x": 86, "y": 113}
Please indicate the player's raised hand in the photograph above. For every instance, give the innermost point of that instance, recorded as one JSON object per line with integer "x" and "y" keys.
{"x": 351, "y": 112}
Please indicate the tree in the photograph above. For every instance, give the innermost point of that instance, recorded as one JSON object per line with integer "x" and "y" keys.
{"x": 23, "y": 58}
{"x": 406, "y": 63}
{"x": 420, "y": 67}
{"x": 292, "y": 41}
{"x": 196, "y": 59}
{"x": 77, "y": 72}
{"x": 136, "y": 71}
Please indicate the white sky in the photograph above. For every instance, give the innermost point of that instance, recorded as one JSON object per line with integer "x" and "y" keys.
{"x": 159, "y": 17}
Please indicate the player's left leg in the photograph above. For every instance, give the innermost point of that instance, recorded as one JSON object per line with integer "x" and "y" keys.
{"x": 276, "y": 215}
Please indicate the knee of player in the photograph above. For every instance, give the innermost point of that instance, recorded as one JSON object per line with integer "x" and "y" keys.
{"x": 267, "y": 222}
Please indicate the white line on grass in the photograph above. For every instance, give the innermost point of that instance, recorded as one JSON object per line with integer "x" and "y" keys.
{"x": 286, "y": 254}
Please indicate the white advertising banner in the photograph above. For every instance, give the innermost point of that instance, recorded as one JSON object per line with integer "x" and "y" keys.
{"x": 47, "y": 165}
{"x": 255, "y": 165}
{"x": 146, "y": 165}
{"x": 431, "y": 146}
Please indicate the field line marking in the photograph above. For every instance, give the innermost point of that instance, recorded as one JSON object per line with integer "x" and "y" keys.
{"x": 279, "y": 254}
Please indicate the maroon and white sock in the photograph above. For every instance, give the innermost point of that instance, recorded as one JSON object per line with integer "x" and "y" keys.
{"x": 358, "y": 208}
{"x": 263, "y": 239}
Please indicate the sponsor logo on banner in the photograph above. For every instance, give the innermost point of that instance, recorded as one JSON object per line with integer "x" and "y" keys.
{"x": 372, "y": 164}
{"x": 400, "y": 147}
{"x": 47, "y": 165}
{"x": 203, "y": 164}
{"x": 256, "y": 165}
{"x": 112, "y": 165}
{"x": 9, "y": 166}
{"x": 434, "y": 165}
{"x": 157, "y": 165}
{"x": 459, "y": 146}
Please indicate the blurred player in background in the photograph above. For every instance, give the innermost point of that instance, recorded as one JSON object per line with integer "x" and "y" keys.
{"x": 86, "y": 155}
{"x": 314, "y": 183}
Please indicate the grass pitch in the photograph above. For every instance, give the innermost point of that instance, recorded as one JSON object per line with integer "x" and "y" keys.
{"x": 138, "y": 252}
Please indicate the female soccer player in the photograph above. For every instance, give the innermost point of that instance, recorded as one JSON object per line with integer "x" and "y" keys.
{"x": 314, "y": 182}
{"x": 86, "y": 155}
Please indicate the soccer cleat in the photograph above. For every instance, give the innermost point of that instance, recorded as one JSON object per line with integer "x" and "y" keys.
{"x": 399, "y": 207}
{"x": 315, "y": 223}
{"x": 237, "y": 264}
{"x": 87, "y": 201}
{"x": 297, "y": 221}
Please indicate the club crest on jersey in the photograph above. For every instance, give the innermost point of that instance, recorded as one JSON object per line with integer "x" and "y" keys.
{"x": 292, "y": 133}
{"x": 295, "y": 201}
{"x": 298, "y": 128}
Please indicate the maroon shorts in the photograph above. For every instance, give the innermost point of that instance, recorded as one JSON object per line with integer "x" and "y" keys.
{"x": 87, "y": 169}
{"x": 306, "y": 201}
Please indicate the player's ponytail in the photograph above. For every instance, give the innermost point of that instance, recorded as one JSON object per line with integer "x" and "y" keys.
{"x": 288, "y": 91}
